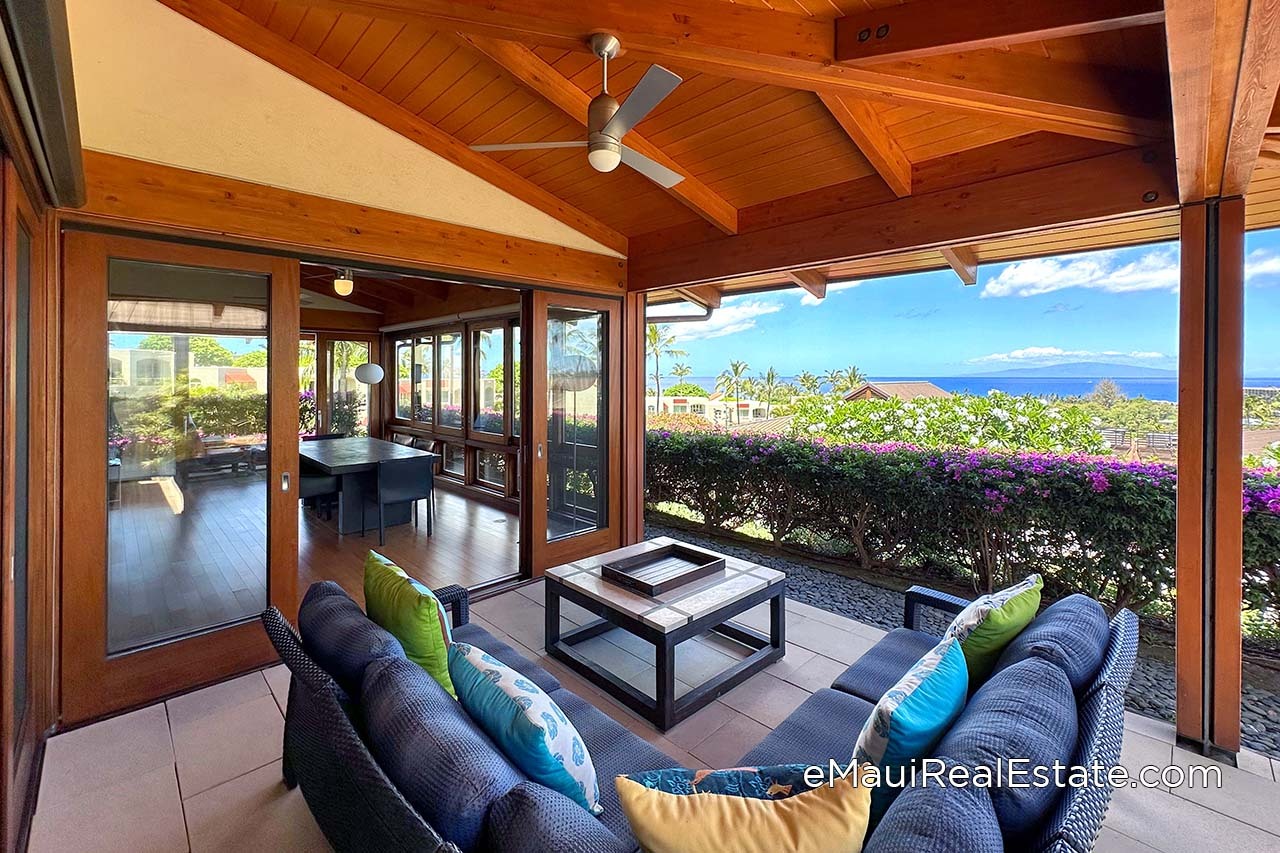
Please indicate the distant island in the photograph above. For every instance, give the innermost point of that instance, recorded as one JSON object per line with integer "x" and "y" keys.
{"x": 1082, "y": 370}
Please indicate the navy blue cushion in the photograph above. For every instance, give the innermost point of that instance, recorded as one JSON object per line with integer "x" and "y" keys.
{"x": 1073, "y": 633}
{"x": 938, "y": 818}
{"x": 615, "y": 751}
{"x": 1080, "y": 810}
{"x": 482, "y": 639}
{"x": 823, "y": 728}
{"x": 884, "y": 664}
{"x": 442, "y": 763}
{"x": 531, "y": 818}
{"x": 338, "y": 636}
{"x": 1027, "y": 712}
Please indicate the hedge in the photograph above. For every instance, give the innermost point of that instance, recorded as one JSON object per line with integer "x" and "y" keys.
{"x": 1090, "y": 524}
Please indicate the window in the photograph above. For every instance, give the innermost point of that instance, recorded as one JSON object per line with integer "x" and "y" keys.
{"x": 450, "y": 414}
{"x": 515, "y": 379}
{"x": 578, "y": 428}
{"x": 424, "y": 369}
{"x": 679, "y": 409}
{"x": 348, "y": 397}
{"x": 404, "y": 379}
{"x": 698, "y": 408}
{"x": 455, "y": 460}
{"x": 488, "y": 400}
{"x": 491, "y": 468}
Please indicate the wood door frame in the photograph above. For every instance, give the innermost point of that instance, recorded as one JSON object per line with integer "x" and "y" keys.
{"x": 533, "y": 338}
{"x": 94, "y": 685}
{"x": 324, "y": 341}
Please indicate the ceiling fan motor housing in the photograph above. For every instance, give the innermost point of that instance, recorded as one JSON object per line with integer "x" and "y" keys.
{"x": 603, "y": 151}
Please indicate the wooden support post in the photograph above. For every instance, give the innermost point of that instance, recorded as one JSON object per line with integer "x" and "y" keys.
{"x": 633, "y": 414}
{"x": 1209, "y": 518}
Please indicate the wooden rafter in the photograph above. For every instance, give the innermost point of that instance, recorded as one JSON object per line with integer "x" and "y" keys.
{"x": 963, "y": 260}
{"x": 1224, "y": 70}
{"x": 1115, "y": 185}
{"x": 324, "y": 287}
{"x": 284, "y": 54}
{"x": 931, "y": 27}
{"x": 530, "y": 70}
{"x": 814, "y": 282}
{"x": 703, "y": 295}
{"x": 868, "y": 131}
{"x": 776, "y": 48}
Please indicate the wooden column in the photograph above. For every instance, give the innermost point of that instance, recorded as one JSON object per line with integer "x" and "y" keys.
{"x": 1209, "y": 518}
{"x": 633, "y": 366}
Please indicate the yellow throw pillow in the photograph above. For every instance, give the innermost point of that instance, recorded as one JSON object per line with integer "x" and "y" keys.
{"x": 747, "y": 810}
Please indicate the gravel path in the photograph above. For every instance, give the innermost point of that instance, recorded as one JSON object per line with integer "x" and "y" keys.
{"x": 1150, "y": 692}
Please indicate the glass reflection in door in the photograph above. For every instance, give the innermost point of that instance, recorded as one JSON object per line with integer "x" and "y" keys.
{"x": 577, "y": 427}
{"x": 186, "y": 450}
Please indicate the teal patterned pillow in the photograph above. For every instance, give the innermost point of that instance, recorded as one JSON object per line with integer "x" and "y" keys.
{"x": 525, "y": 723}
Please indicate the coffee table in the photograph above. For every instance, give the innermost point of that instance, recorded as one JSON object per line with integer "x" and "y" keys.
{"x": 702, "y": 606}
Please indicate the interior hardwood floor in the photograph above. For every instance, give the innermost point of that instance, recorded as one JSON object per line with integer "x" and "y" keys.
{"x": 473, "y": 543}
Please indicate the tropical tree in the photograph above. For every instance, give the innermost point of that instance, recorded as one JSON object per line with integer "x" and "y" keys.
{"x": 680, "y": 371}
{"x": 730, "y": 382}
{"x": 844, "y": 381}
{"x": 809, "y": 383}
{"x": 769, "y": 386}
{"x": 1106, "y": 393}
{"x": 205, "y": 351}
{"x": 659, "y": 342}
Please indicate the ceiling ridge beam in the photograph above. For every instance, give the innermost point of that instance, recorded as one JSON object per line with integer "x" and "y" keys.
{"x": 813, "y": 281}
{"x": 539, "y": 76}
{"x": 241, "y": 30}
{"x": 932, "y": 27}
{"x": 760, "y": 45}
{"x": 963, "y": 260}
{"x": 1127, "y": 183}
{"x": 862, "y": 122}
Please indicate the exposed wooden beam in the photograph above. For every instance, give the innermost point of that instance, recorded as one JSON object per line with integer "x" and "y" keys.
{"x": 289, "y": 57}
{"x": 812, "y": 281}
{"x": 166, "y": 197}
{"x": 931, "y": 27}
{"x": 530, "y": 69}
{"x": 963, "y": 260}
{"x": 1115, "y": 185}
{"x": 324, "y": 287}
{"x": 862, "y": 122}
{"x": 704, "y": 295}
{"x": 780, "y": 49}
{"x": 1224, "y": 71}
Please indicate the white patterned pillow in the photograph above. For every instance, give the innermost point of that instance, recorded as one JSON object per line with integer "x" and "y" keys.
{"x": 525, "y": 723}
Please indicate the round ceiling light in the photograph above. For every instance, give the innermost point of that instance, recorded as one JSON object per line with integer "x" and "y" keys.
{"x": 344, "y": 284}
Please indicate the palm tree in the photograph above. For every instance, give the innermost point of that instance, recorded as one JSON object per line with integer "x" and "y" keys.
{"x": 730, "y": 383}
{"x": 844, "y": 381}
{"x": 769, "y": 387}
{"x": 809, "y": 383}
{"x": 680, "y": 371}
{"x": 659, "y": 342}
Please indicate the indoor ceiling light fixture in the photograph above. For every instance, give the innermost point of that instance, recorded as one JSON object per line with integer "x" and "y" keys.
{"x": 344, "y": 283}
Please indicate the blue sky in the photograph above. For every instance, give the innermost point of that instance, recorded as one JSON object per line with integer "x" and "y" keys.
{"x": 1119, "y": 307}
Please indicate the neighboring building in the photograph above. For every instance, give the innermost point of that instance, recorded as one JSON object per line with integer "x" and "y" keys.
{"x": 715, "y": 408}
{"x": 901, "y": 390}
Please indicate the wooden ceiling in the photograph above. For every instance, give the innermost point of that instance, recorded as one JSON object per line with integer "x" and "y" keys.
{"x": 777, "y": 121}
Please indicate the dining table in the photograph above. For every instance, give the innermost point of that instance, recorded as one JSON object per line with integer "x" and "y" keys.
{"x": 355, "y": 461}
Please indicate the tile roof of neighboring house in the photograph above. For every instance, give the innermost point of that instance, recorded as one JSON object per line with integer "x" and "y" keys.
{"x": 768, "y": 426}
{"x": 901, "y": 390}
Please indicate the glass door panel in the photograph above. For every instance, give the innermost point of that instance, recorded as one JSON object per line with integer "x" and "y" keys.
{"x": 450, "y": 414}
{"x": 348, "y": 397}
{"x": 308, "y": 414}
{"x": 405, "y": 380}
{"x": 424, "y": 367}
{"x": 489, "y": 394}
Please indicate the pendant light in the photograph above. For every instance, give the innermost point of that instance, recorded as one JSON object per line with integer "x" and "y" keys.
{"x": 344, "y": 283}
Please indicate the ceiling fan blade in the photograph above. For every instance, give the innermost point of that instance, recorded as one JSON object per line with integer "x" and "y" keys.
{"x": 529, "y": 146}
{"x": 651, "y": 169}
{"x": 655, "y": 85}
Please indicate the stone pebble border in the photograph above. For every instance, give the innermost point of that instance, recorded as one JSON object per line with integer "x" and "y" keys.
{"x": 1150, "y": 692}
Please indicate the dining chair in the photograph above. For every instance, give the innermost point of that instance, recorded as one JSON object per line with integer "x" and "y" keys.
{"x": 429, "y": 445}
{"x": 403, "y": 439}
{"x": 314, "y": 483}
{"x": 401, "y": 481}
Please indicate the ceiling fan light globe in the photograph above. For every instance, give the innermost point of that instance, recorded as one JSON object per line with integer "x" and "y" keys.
{"x": 604, "y": 158}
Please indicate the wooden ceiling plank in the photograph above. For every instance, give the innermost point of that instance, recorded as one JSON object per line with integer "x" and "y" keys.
{"x": 235, "y": 27}
{"x": 931, "y": 27}
{"x": 794, "y": 51}
{"x": 813, "y": 281}
{"x": 861, "y": 121}
{"x": 528, "y": 68}
{"x": 1115, "y": 185}
{"x": 324, "y": 287}
{"x": 962, "y": 259}
{"x": 706, "y": 296}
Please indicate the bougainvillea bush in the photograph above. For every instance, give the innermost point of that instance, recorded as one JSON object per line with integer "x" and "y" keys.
{"x": 997, "y": 421}
{"x": 1089, "y": 524}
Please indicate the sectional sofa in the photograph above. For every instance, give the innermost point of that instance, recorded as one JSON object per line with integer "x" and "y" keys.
{"x": 388, "y": 761}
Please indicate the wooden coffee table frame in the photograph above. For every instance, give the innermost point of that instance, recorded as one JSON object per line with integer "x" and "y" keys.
{"x": 665, "y": 709}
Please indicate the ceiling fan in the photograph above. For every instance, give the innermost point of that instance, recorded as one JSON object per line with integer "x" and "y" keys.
{"x": 607, "y": 122}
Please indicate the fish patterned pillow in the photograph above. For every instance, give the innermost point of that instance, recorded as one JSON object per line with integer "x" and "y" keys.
{"x": 525, "y": 723}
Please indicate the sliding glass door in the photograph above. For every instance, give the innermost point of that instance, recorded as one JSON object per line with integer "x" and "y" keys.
{"x": 183, "y": 460}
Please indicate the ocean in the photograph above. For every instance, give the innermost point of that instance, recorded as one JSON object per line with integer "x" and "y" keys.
{"x": 1160, "y": 388}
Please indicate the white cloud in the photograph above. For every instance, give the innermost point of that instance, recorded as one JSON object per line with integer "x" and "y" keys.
{"x": 1155, "y": 270}
{"x": 1261, "y": 263}
{"x": 729, "y": 319}
{"x": 1053, "y": 355}
{"x": 832, "y": 287}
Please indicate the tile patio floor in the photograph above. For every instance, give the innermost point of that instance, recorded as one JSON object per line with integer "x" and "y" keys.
{"x": 202, "y": 772}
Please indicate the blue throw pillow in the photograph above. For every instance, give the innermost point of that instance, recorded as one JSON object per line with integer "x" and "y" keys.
{"x": 912, "y": 717}
{"x": 934, "y": 817}
{"x": 525, "y": 723}
{"x": 1027, "y": 712}
{"x": 339, "y": 637}
{"x": 1073, "y": 633}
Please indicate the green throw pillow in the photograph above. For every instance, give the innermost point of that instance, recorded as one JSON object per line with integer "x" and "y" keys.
{"x": 411, "y": 613}
{"x": 991, "y": 622}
